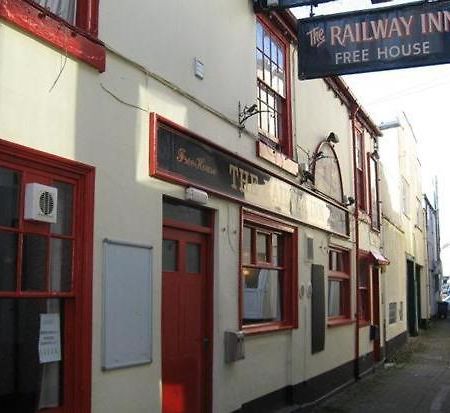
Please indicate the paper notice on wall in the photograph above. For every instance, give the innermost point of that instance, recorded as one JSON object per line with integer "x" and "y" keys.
{"x": 49, "y": 338}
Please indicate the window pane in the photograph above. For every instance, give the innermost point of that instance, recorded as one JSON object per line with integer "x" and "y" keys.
{"x": 264, "y": 118}
{"x": 186, "y": 213}
{"x": 259, "y": 36}
{"x": 280, "y": 58}
{"x": 274, "y": 51}
{"x": 277, "y": 250}
{"x": 34, "y": 260}
{"x": 334, "y": 298}
{"x": 62, "y": 8}
{"x": 193, "y": 263}
{"x": 267, "y": 71}
{"x": 60, "y": 265}
{"x": 27, "y": 382}
{"x": 259, "y": 65}
{"x": 169, "y": 255}
{"x": 8, "y": 256}
{"x": 272, "y": 128}
{"x": 262, "y": 295}
{"x": 9, "y": 195}
{"x": 266, "y": 44}
{"x": 65, "y": 208}
{"x": 262, "y": 252}
{"x": 246, "y": 245}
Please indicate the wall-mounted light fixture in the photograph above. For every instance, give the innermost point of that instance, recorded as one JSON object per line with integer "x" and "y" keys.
{"x": 332, "y": 138}
{"x": 348, "y": 200}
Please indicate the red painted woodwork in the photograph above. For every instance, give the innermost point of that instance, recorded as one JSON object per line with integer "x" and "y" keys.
{"x": 37, "y": 166}
{"x": 185, "y": 335}
{"x": 289, "y": 283}
{"x": 79, "y": 41}
{"x": 281, "y": 35}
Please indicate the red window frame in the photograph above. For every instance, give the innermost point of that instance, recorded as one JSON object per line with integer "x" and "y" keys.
{"x": 77, "y": 333}
{"x": 281, "y": 142}
{"x": 364, "y": 310}
{"x": 374, "y": 210}
{"x": 360, "y": 170}
{"x": 288, "y": 280}
{"x": 339, "y": 270}
{"x": 79, "y": 41}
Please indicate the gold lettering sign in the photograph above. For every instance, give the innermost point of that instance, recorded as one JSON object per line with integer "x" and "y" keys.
{"x": 242, "y": 180}
{"x": 196, "y": 163}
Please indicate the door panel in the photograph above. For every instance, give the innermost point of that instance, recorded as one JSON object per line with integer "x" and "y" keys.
{"x": 184, "y": 321}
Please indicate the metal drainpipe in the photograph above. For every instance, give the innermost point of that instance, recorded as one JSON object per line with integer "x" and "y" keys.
{"x": 356, "y": 215}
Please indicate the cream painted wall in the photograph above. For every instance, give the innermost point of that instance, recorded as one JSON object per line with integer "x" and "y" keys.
{"x": 403, "y": 234}
{"x": 166, "y": 36}
{"x": 102, "y": 120}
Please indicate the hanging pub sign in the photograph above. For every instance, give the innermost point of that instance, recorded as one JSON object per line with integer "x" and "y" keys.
{"x": 380, "y": 39}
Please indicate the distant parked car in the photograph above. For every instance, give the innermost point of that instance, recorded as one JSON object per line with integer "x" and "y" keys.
{"x": 443, "y": 307}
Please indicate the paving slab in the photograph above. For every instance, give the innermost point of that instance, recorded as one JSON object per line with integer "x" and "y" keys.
{"x": 416, "y": 381}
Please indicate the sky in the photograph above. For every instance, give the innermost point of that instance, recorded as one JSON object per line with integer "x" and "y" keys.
{"x": 423, "y": 94}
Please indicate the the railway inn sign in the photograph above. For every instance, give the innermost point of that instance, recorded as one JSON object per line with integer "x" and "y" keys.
{"x": 397, "y": 37}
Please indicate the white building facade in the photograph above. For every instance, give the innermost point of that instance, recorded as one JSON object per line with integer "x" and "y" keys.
{"x": 208, "y": 233}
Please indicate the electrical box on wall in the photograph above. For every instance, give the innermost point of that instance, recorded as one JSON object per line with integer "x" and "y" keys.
{"x": 41, "y": 203}
{"x": 234, "y": 346}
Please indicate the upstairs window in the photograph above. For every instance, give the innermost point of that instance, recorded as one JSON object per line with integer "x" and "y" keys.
{"x": 65, "y": 9}
{"x": 68, "y": 25}
{"x": 374, "y": 194}
{"x": 360, "y": 170}
{"x": 272, "y": 88}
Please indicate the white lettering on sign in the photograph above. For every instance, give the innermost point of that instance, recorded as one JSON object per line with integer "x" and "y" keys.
{"x": 382, "y": 53}
{"x": 394, "y": 52}
{"x": 371, "y": 30}
{"x": 355, "y": 56}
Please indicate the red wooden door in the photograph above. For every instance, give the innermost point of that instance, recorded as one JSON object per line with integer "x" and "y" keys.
{"x": 184, "y": 323}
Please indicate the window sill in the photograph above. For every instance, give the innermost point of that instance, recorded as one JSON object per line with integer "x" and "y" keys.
{"x": 266, "y": 328}
{"x": 363, "y": 323}
{"x": 277, "y": 158}
{"x": 61, "y": 35}
{"x": 339, "y": 322}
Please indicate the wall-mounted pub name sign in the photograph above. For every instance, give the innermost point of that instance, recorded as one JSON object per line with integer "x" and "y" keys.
{"x": 178, "y": 156}
{"x": 380, "y": 39}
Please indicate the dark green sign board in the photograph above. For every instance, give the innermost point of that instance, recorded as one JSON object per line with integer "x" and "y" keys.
{"x": 379, "y": 39}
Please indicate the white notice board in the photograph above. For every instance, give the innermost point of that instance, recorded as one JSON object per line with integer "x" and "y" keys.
{"x": 127, "y": 304}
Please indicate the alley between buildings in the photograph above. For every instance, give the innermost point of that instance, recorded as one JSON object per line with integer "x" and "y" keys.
{"x": 417, "y": 380}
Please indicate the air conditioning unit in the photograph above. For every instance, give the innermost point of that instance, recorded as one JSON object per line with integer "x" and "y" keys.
{"x": 41, "y": 203}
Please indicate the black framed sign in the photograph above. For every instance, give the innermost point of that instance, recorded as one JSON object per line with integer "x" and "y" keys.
{"x": 397, "y": 37}
{"x": 182, "y": 157}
